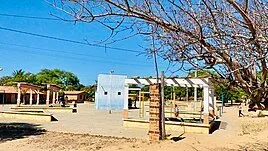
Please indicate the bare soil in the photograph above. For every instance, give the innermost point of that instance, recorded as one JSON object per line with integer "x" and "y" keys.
{"x": 245, "y": 133}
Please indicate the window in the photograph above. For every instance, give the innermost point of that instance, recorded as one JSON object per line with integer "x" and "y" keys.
{"x": 119, "y": 93}
{"x": 105, "y": 93}
{"x": 81, "y": 97}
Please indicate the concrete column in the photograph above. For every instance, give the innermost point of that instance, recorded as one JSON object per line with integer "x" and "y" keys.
{"x": 125, "y": 111}
{"x": 31, "y": 97}
{"x": 57, "y": 96}
{"x": 205, "y": 105}
{"x": 19, "y": 95}
{"x": 53, "y": 97}
{"x": 211, "y": 101}
{"x": 38, "y": 98}
{"x": 48, "y": 94}
{"x": 126, "y": 98}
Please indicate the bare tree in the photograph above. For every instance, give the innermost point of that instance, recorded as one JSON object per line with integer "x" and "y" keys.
{"x": 227, "y": 36}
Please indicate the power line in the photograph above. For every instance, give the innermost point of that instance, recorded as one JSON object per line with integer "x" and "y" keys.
{"x": 53, "y": 19}
{"x": 68, "y": 40}
{"x": 78, "y": 59}
{"x": 30, "y": 17}
{"x": 59, "y": 51}
{"x": 126, "y": 62}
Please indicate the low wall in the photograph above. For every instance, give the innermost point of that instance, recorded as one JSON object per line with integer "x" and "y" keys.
{"x": 39, "y": 117}
{"x": 49, "y": 109}
{"x": 170, "y": 126}
{"x": 182, "y": 114}
{"x": 263, "y": 113}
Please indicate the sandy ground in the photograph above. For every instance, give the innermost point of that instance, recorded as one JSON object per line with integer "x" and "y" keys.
{"x": 245, "y": 133}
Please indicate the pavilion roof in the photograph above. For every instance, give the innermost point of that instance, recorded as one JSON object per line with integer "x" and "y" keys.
{"x": 73, "y": 92}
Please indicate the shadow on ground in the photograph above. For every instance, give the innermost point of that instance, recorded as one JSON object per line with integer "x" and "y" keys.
{"x": 12, "y": 131}
{"x": 177, "y": 138}
{"x": 215, "y": 126}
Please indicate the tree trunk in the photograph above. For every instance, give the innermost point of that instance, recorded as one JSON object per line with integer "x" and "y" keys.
{"x": 256, "y": 101}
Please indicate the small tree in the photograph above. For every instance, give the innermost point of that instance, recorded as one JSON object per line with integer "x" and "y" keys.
{"x": 226, "y": 36}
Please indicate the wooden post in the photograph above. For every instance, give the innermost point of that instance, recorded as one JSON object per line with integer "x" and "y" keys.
{"x": 187, "y": 94}
{"x": 162, "y": 107}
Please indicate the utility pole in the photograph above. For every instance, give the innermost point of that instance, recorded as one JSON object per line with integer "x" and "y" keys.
{"x": 110, "y": 81}
{"x": 1, "y": 69}
{"x": 162, "y": 105}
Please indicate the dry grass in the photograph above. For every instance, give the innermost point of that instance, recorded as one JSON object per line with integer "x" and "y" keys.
{"x": 253, "y": 125}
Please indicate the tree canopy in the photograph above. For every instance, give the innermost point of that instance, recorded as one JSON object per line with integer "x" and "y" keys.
{"x": 226, "y": 36}
{"x": 67, "y": 80}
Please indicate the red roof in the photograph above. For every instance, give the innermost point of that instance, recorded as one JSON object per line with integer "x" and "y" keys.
{"x": 8, "y": 89}
{"x": 11, "y": 89}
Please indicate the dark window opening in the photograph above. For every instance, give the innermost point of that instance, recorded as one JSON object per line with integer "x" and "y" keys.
{"x": 119, "y": 93}
{"x": 105, "y": 93}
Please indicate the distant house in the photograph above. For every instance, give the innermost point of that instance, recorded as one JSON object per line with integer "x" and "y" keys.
{"x": 9, "y": 95}
{"x": 77, "y": 96}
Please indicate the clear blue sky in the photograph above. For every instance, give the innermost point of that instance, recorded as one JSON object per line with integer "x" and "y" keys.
{"x": 84, "y": 61}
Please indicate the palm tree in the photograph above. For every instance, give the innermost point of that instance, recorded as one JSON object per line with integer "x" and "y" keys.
{"x": 20, "y": 76}
{"x": 18, "y": 73}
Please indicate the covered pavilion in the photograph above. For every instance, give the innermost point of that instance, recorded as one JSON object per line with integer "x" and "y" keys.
{"x": 205, "y": 83}
{"x": 54, "y": 89}
{"x": 24, "y": 87}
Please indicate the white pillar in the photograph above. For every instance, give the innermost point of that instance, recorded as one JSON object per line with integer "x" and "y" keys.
{"x": 125, "y": 112}
{"x": 205, "y": 104}
{"x": 126, "y": 98}
{"x": 57, "y": 96}
{"x": 31, "y": 97}
{"x": 206, "y": 100}
{"x": 48, "y": 94}
{"x": 211, "y": 100}
{"x": 37, "y": 98}
{"x": 53, "y": 97}
{"x": 19, "y": 95}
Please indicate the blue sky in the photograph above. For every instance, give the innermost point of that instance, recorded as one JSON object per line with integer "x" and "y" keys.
{"x": 20, "y": 51}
